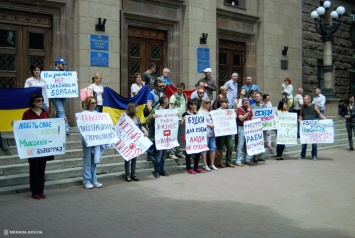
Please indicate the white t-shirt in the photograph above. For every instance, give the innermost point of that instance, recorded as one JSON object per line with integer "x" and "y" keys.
{"x": 99, "y": 90}
{"x": 135, "y": 88}
{"x": 298, "y": 99}
{"x": 33, "y": 82}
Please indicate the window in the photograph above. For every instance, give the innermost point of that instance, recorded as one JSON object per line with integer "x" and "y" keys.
{"x": 234, "y": 3}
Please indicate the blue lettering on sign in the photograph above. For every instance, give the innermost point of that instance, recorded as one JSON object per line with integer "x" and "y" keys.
{"x": 263, "y": 113}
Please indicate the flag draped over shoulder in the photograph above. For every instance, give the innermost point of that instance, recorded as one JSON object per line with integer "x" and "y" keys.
{"x": 14, "y": 104}
{"x": 115, "y": 104}
{"x": 170, "y": 90}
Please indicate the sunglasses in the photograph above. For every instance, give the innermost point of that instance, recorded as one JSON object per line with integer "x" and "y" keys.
{"x": 39, "y": 100}
{"x": 200, "y": 92}
{"x": 161, "y": 86}
{"x": 93, "y": 103}
{"x": 207, "y": 102}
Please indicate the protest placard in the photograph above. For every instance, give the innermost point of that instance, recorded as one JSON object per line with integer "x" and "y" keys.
{"x": 96, "y": 128}
{"x": 286, "y": 128}
{"x": 196, "y": 134}
{"x": 131, "y": 140}
{"x": 316, "y": 131}
{"x": 166, "y": 128}
{"x": 41, "y": 137}
{"x": 253, "y": 131}
{"x": 267, "y": 117}
{"x": 224, "y": 122}
{"x": 61, "y": 84}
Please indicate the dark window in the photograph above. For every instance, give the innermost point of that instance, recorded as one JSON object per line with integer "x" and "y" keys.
{"x": 223, "y": 58}
{"x": 7, "y": 38}
{"x": 36, "y": 41}
{"x": 320, "y": 76}
{"x": 232, "y": 2}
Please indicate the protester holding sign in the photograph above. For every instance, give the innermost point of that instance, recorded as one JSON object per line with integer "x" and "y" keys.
{"x": 159, "y": 158}
{"x": 96, "y": 89}
{"x": 89, "y": 165}
{"x": 191, "y": 110}
{"x": 211, "y": 140}
{"x": 309, "y": 112}
{"x": 282, "y": 107}
{"x": 38, "y": 164}
{"x": 131, "y": 111}
{"x": 244, "y": 113}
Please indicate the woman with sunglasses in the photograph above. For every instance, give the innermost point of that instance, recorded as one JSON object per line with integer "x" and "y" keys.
{"x": 211, "y": 141}
{"x": 89, "y": 165}
{"x": 38, "y": 164}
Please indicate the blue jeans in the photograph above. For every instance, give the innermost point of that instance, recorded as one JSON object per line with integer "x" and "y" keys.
{"x": 89, "y": 167}
{"x": 132, "y": 162}
{"x": 241, "y": 145}
{"x": 159, "y": 161}
{"x": 304, "y": 149}
{"x": 59, "y": 104}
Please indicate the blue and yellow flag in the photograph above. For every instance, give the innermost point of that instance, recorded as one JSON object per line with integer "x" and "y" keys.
{"x": 115, "y": 104}
{"x": 14, "y": 102}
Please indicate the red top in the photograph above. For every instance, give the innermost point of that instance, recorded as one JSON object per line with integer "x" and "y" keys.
{"x": 242, "y": 112}
{"x": 30, "y": 115}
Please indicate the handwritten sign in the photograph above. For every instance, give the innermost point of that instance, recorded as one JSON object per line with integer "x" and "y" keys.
{"x": 96, "y": 128}
{"x": 131, "y": 140}
{"x": 196, "y": 134}
{"x": 224, "y": 122}
{"x": 316, "y": 131}
{"x": 41, "y": 137}
{"x": 253, "y": 131}
{"x": 166, "y": 128}
{"x": 61, "y": 84}
{"x": 267, "y": 117}
{"x": 286, "y": 128}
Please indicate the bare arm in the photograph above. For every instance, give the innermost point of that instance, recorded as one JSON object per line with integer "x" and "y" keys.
{"x": 319, "y": 113}
{"x": 149, "y": 106}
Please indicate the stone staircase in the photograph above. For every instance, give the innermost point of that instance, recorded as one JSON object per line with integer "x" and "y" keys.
{"x": 66, "y": 170}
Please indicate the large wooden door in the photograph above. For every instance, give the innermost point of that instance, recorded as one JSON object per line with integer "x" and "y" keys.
{"x": 144, "y": 46}
{"x": 231, "y": 59}
{"x": 23, "y": 41}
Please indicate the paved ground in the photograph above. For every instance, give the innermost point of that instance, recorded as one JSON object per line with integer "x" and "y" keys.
{"x": 291, "y": 198}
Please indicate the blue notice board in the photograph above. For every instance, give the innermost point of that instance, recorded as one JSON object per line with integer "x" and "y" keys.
{"x": 99, "y": 58}
{"x": 203, "y": 59}
{"x": 98, "y": 42}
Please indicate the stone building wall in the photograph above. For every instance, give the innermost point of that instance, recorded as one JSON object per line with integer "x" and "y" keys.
{"x": 313, "y": 50}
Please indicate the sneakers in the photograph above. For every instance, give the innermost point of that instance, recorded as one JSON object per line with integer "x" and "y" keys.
{"x": 231, "y": 165}
{"x": 239, "y": 164}
{"x": 191, "y": 171}
{"x": 88, "y": 186}
{"x": 213, "y": 167}
{"x": 173, "y": 156}
{"x": 205, "y": 167}
{"x": 97, "y": 184}
{"x": 314, "y": 158}
{"x": 250, "y": 163}
{"x": 199, "y": 171}
{"x": 350, "y": 149}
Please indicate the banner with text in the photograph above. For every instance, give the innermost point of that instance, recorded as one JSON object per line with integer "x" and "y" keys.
{"x": 166, "y": 128}
{"x": 316, "y": 131}
{"x": 131, "y": 140}
{"x": 253, "y": 132}
{"x": 196, "y": 134}
{"x": 61, "y": 84}
{"x": 40, "y": 137}
{"x": 224, "y": 122}
{"x": 96, "y": 128}
{"x": 286, "y": 128}
{"x": 267, "y": 117}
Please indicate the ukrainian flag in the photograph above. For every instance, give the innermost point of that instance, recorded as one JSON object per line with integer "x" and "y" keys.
{"x": 114, "y": 104}
{"x": 14, "y": 102}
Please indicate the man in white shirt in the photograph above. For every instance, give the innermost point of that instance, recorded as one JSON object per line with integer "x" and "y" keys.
{"x": 319, "y": 100}
{"x": 232, "y": 87}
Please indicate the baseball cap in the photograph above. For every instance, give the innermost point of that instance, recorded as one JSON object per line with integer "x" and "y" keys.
{"x": 209, "y": 70}
{"x": 60, "y": 60}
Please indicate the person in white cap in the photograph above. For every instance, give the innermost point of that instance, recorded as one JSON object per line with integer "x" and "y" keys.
{"x": 210, "y": 83}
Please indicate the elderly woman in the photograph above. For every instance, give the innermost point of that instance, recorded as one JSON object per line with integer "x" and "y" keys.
{"x": 37, "y": 165}
{"x": 223, "y": 94}
{"x": 287, "y": 92}
{"x": 36, "y": 81}
{"x": 89, "y": 165}
{"x": 96, "y": 89}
